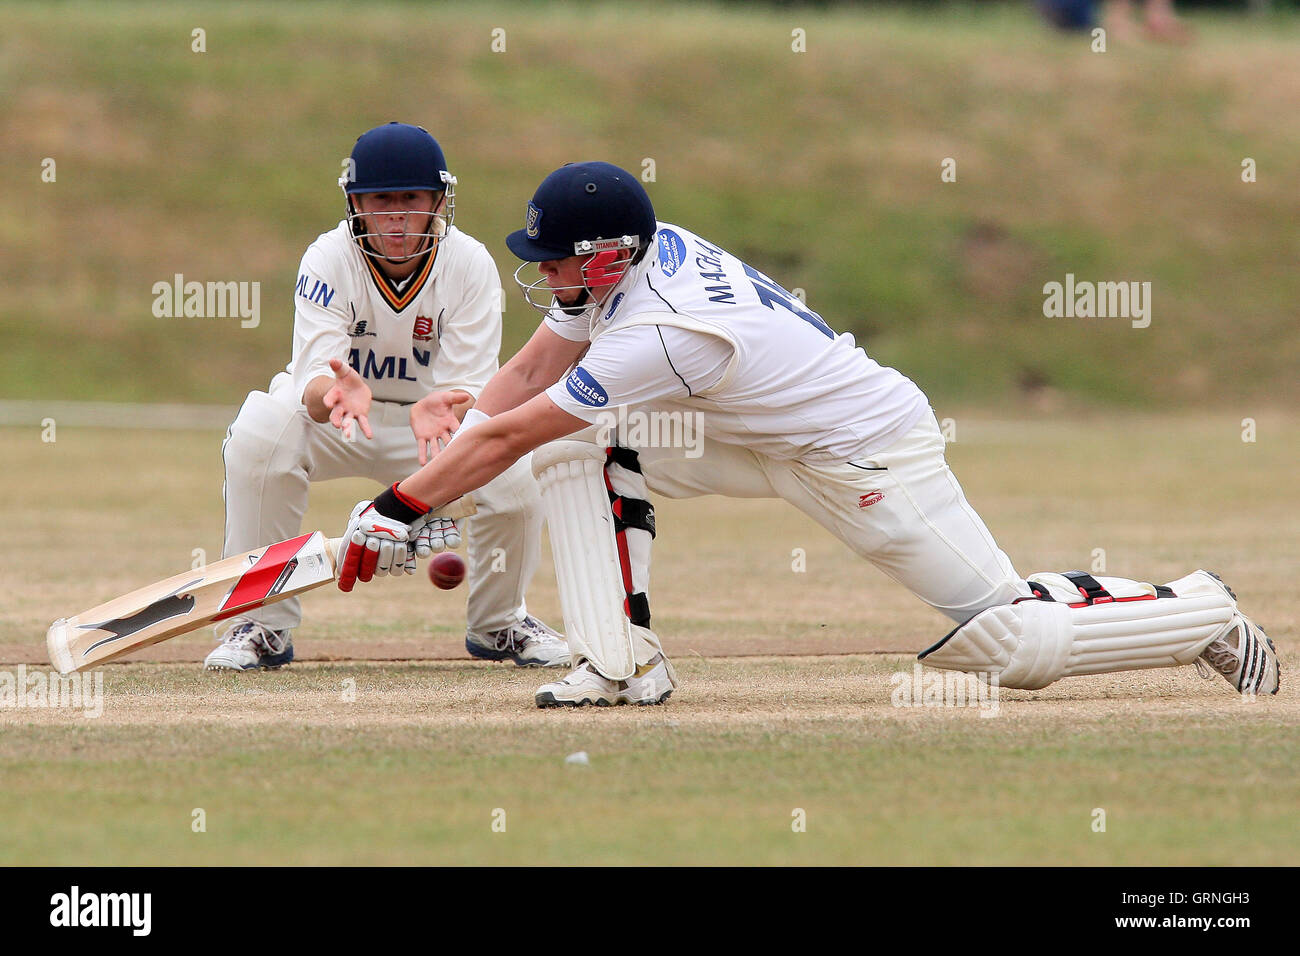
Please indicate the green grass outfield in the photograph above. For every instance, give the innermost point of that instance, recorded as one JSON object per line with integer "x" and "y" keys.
{"x": 820, "y": 167}
{"x": 344, "y": 759}
{"x": 420, "y": 765}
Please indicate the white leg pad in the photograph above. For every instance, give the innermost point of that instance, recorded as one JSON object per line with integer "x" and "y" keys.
{"x": 1032, "y": 643}
{"x": 571, "y": 475}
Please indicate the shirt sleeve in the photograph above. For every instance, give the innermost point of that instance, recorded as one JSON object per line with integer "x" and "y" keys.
{"x": 469, "y": 339}
{"x": 639, "y": 365}
{"x": 575, "y": 328}
{"x": 320, "y": 321}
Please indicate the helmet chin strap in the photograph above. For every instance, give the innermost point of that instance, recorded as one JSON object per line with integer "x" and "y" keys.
{"x": 580, "y": 305}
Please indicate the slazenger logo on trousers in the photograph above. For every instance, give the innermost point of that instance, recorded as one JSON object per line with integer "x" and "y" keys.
{"x": 103, "y": 909}
{"x": 865, "y": 501}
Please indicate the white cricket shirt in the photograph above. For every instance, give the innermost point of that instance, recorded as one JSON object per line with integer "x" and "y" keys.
{"x": 692, "y": 328}
{"x": 439, "y": 329}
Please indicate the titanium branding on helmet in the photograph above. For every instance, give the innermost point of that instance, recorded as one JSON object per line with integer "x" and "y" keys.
{"x": 534, "y": 217}
{"x": 609, "y": 313}
{"x": 672, "y": 251}
{"x": 585, "y": 388}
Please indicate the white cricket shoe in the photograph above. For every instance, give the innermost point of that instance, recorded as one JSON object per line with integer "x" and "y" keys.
{"x": 247, "y": 646}
{"x": 1246, "y": 658}
{"x": 530, "y": 643}
{"x": 1244, "y": 655}
{"x": 651, "y": 684}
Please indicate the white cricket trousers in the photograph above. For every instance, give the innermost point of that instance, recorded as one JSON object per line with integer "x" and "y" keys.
{"x": 274, "y": 451}
{"x": 902, "y": 510}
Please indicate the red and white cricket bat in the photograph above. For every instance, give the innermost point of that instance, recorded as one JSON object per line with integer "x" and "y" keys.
{"x": 196, "y": 598}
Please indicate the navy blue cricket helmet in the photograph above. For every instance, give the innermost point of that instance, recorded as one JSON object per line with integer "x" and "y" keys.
{"x": 594, "y": 209}
{"x": 583, "y": 202}
{"x": 398, "y": 157}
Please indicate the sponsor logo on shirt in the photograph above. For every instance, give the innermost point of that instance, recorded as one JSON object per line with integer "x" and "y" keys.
{"x": 423, "y": 331}
{"x": 319, "y": 292}
{"x": 585, "y": 388}
{"x": 609, "y": 314}
{"x": 378, "y": 367}
{"x": 672, "y": 251}
{"x": 359, "y": 328}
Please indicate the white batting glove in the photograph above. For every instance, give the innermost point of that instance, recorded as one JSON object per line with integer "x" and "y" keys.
{"x": 434, "y": 535}
{"x": 372, "y": 544}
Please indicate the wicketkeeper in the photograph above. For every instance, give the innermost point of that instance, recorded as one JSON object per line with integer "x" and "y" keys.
{"x": 397, "y": 326}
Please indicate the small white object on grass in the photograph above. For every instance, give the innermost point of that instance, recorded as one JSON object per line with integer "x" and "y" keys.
{"x": 579, "y": 758}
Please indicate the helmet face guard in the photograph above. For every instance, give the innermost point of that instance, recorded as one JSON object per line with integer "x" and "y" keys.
{"x": 605, "y": 268}
{"x": 367, "y": 227}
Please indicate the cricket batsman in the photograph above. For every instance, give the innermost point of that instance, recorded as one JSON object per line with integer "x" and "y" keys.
{"x": 649, "y": 316}
{"x": 397, "y": 327}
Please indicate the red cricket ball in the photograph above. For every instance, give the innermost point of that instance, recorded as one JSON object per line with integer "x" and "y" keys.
{"x": 446, "y": 570}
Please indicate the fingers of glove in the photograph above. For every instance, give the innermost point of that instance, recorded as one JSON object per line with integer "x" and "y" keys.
{"x": 369, "y": 558}
{"x": 438, "y": 534}
{"x": 397, "y": 562}
{"x": 384, "y": 562}
{"x": 350, "y": 565}
{"x": 424, "y": 541}
{"x": 409, "y": 565}
{"x": 451, "y": 535}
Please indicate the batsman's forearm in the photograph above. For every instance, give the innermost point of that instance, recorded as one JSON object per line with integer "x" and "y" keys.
{"x": 509, "y": 388}
{"x": 463, "y": 466}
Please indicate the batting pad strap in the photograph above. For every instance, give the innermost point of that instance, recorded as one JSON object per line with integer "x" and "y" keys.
{"x": 1079, "y": 588}
{"x": 1088, "y": 586}
{"x": 1032, "y": 643}
{"x": 632, "y": 513}
{"x": 638, "y": 609}
{"x": 624, "y": 458}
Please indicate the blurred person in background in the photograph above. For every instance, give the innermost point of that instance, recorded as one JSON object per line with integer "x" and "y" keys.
{"x": 1160, "y": 20}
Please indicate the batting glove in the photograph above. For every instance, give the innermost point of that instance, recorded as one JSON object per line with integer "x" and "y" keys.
{"x": 377, "y": 538}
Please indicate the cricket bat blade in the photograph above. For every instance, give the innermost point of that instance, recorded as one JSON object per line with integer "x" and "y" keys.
{"x": 200, "y": 596}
